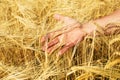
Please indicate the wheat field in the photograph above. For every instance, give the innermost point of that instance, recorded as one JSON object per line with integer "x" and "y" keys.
{"x": 24, "y": 22}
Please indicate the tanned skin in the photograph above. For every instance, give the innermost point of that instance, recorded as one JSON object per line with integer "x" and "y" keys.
{"x": 73, "y": 32}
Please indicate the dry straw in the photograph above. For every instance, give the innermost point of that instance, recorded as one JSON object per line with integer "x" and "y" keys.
{"x": 23, "y": 22}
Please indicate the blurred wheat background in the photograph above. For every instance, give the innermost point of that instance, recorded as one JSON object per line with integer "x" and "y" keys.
{"x": 23, "y": 22}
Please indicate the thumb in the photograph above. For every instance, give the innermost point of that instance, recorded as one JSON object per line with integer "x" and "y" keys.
{"x": 59, "y": 17}
{"x": 65, "y": 19}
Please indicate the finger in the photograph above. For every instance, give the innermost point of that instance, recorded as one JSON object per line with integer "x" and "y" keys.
{"x": 52, "y": 35}
{"x": 56, "y": 33}
{"x": 53, "y": 42}
{"x": 65, "y": 19}
{"x": 44, "y": 38}
{"x": 65, "y": 48}
{"x": 50, "y": 44}
{"x": 53, "y": 48}
{"x": 61, "y": 40}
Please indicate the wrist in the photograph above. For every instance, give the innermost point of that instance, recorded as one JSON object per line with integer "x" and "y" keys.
{"x": 89, "y": 27}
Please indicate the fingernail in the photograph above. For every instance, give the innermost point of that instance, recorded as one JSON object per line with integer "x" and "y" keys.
{"x": 41, "y": 39}
{"x": 57, "y": 16}
{"x": 59, "y": 53}
{"x": 43, "y": 48}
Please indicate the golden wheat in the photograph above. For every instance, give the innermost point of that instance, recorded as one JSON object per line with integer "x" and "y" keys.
{"x": 23, "y": 22}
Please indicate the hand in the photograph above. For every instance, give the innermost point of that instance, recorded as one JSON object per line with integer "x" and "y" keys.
{"x": 64, "y": 38}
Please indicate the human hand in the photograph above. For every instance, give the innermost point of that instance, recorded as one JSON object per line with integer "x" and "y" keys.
{"x": 64, "y": 38}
